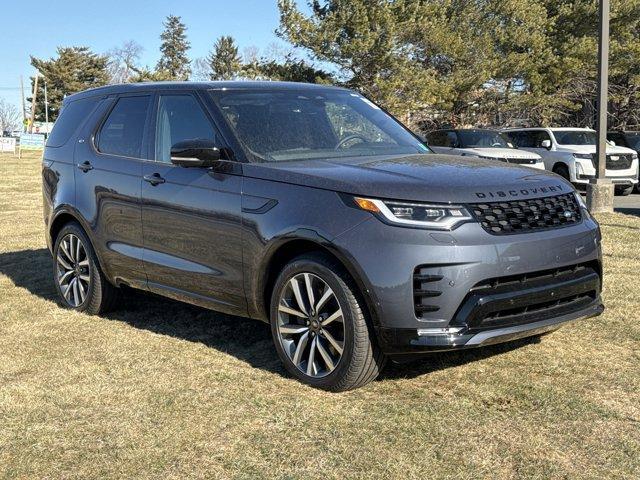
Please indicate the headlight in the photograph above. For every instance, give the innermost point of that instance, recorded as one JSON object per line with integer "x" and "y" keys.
{"x": 419, "y": 215}
{"x": 583, "y": 156}
{"x": 583, "y": 205}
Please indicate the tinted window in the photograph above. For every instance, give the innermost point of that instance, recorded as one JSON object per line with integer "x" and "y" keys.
{"x": 71, "y": 117}
{"x": 437, "y": 139}
{"x": 293, "y": 125}
{"x": 528, "y": 138}
{"x": 618, "y": 138}
{"x": 482, "y": 139}
{"x": 122, "y": 132}
{"x": 633, "y": 140}
{"x": 575, "y": 137}
{"x": 180, "y": 117}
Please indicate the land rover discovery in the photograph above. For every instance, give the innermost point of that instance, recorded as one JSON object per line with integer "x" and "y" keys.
{"x": 310, "y": 208}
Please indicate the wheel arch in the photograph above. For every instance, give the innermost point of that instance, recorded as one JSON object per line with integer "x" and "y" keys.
{"x": 288, "y": 249}
{"x": 63, "y": 217}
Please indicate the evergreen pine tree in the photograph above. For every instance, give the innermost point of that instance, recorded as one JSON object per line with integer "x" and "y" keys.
{"x": 75, "y": 69}
{"x": 174, "y": 63}
{"x": 224, "y": 60}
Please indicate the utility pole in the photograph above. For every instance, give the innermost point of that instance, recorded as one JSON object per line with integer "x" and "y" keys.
{"x": 600, "y": 191}
{"x": 24, "y": 108}
{"x": 46, "y": 104}
{"x": 33, "y": 102}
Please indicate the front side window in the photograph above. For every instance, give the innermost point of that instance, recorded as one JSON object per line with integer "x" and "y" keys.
{"x": 275, "y": 126}
{"x": 575, "y": 137}
{"x": 483, "y": 139}
{"x": 519, "y": 139}
{"x": 123, "y": 130}
{"x": 180, "y": 118}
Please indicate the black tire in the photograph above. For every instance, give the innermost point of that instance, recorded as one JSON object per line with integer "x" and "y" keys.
{"x": 624, "y": 191}
{"x": 362, "y": 360}
{"x": 563, "y": 171}
{"x": 101, "y": 296}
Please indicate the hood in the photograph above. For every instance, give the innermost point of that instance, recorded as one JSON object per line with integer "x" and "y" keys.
{"x": 424, "y": 178}
{"x": 499, "y": 152}
{"x": 592, "y": 149}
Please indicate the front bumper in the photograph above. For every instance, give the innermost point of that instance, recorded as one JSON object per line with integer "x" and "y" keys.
{"x": 585, "y": 171}
{"x": 408, "y": 341}
{"x": 448, "y": 267}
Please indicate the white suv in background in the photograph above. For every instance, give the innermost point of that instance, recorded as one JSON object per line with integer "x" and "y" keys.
{"x": 481, "y": 143}
{"x": 570, "y": 152}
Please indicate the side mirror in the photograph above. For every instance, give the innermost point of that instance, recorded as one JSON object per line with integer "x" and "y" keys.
{"x": 546, "y": 144}
{"x": 611, "y": 142}
{"x": 196, "y": 152}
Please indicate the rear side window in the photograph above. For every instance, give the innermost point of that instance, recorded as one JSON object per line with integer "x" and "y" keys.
{"x": 71, "y": 117}
{"x": 123, "y": 130}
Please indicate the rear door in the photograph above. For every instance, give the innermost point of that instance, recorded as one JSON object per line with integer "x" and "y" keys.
{"x": 108, "y": 161}
{"x": 191, "y": 217}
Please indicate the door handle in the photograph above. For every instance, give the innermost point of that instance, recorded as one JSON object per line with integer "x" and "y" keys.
{"x": 154, "y": 179}
{"x": 85, "y": 166}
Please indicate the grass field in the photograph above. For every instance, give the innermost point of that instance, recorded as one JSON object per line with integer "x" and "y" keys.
{"x": 162, "y": 389}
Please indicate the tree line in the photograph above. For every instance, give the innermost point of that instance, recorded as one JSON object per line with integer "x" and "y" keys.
{"x": 430, "y": 62}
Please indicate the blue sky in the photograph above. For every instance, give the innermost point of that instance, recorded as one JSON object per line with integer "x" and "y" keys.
{"x": 102, "y": 25}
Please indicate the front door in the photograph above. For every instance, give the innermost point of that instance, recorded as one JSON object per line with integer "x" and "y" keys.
{"x": 191, "y": 217}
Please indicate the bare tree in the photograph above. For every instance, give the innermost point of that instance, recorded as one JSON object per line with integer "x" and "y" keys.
{"x": 123, "y": 61}
{"x": 9, "y": 116}
{"x": 201, "y": 70}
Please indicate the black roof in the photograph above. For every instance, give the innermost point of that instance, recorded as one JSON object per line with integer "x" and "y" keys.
{"x": 235, "y": 85}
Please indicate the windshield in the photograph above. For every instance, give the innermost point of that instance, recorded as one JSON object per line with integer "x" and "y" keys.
{"x": 575, "y": 137}
{"x": 633, "y": 139}
{"x": 281, "y": 125}
{"x": 483, "y": 139}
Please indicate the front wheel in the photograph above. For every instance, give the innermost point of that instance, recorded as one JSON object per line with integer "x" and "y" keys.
{"x": 624, "y": 191}
{"x": 320, "y": 326}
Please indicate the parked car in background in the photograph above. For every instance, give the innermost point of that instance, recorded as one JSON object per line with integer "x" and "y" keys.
{"x": 570, "y": 152}
{"x": 626, "y": 138}
{"x": 309, "y": 208}
{"x": 481, "y": 143}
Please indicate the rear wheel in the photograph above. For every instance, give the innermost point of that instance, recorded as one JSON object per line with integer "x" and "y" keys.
{"x": 79, "y": 281}
{"x": 320, "y": 327}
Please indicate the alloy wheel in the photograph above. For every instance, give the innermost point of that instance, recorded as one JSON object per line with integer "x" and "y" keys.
{"x": 311, "y": 325}
{"x": 73, "y": 270}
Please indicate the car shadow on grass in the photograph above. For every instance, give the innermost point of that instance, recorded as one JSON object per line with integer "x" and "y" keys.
{"x": 246, "y": 339}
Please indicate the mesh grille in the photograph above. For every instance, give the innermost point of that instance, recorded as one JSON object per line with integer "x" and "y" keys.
{"x": 530, "y": 215}
{"x": 621, "y": 162}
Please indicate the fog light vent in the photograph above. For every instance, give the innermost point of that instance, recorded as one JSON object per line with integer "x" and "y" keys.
{"x": 424, "y": 291}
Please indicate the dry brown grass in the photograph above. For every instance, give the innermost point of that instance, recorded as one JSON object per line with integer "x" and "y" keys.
{"x": 162, "y": 389}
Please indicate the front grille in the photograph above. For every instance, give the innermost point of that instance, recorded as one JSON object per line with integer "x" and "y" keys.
{"x": 522, "y": 161}
{"x": 530, "y": 215}
{"x": 621, "y": 162}
{"x": 423, "y": 290}
{"x": 529, "y": 297}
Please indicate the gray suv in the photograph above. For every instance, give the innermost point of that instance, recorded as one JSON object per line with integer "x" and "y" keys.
{"x": 312, "y": 209}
